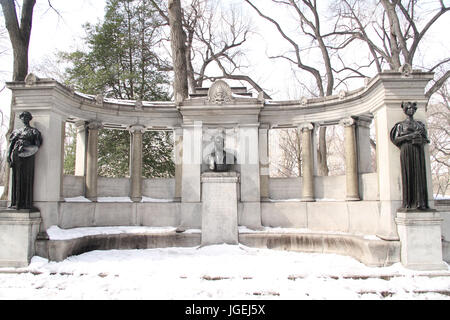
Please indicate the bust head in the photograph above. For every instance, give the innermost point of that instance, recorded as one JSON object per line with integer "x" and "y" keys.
{"x": 409, "y": 108}
{"x": 25, "y": 117}
{"x": 218, "y": 143}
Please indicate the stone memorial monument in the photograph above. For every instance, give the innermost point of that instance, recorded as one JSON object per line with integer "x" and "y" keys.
{"x": 222, "y": 190}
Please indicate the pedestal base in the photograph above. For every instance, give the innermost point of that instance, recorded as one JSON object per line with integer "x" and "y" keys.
{"x": 18, "y": 231}
{"x": 219, "y": 208}
{"x": 420, "y": 237}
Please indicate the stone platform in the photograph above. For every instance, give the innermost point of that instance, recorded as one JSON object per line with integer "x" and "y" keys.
{"x": 219, "y": 208}
{"x": 18, "y": 231}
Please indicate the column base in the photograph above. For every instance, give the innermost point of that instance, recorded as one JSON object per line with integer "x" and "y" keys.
{"x": 136, "y": 199}
{"x": 352, "y": 198}
{"x": 307, "y": 199}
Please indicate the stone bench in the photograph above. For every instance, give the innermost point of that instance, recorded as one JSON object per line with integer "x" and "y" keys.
{"x": 60, "y": 249}
{"x": 366, "y": 249}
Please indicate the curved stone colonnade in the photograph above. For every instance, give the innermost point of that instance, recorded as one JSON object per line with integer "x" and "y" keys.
{"x": 370, "y": 202}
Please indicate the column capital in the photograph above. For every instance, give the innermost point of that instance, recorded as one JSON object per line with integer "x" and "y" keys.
{"x": 136, "y": 128}
{"x": 305, "y": 126}
{"x": 178, "y": 131}
{"x": 94, "y": 125}
{"x": 363, "y": 120}
{"x": 248, "y": 125}
{"x": 195, "y": 124}
{"x": 264, "y": 126}
{"x": 80, "y": 124}
{"x": 347, "y": 122}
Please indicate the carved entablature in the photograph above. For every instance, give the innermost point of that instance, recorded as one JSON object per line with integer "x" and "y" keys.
{"x": 220, "y": 93}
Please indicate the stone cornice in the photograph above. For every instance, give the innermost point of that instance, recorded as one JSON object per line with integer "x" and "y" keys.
{"x": 386, "y": 89}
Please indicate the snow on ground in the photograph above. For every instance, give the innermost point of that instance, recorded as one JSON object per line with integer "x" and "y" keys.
{"x": 217, "y": 272}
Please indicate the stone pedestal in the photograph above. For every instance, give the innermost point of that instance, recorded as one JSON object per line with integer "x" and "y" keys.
{"x": 420, "y": 237}
{"x": 18, "y": 232}
{"x": 219, "y": 208}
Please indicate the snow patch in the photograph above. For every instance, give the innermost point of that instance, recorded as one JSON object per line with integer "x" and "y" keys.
{"x": 56, "y": 233}
{"x": 114, "y": 199}
{"x": 77, "y": 199}
{"x": 149, "y": 199}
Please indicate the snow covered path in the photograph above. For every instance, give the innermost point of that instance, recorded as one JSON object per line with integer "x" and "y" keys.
{"x": 217, "y": 272}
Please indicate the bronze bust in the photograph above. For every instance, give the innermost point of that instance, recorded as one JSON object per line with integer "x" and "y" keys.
{"x": 219, "y": 160}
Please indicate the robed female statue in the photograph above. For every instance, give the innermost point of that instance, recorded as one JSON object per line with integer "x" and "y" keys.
{"x": 24, "y": 143}
{"x": 410, "y": 136}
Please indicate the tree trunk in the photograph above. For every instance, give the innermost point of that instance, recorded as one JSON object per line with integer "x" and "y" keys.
{"x": 178, "y": 45}
{"x": 19, "y": 35}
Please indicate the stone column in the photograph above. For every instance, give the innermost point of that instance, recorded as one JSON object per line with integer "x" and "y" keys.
{"x": 191, "y": 207}
{"x": 264, "y": 161}
{"x": 389, "y": 172}
{"x": 351, "y": 159}
{"x": 92, "y": 160}
{"x": 80, "y": 153}
{"x": 192, "y": 160}
{"x": 363, "y": 148}
{"x": 307, "y": 162}
{"x": 136, "y": 132}
{"x": 248, "y": 159}
{"x": 178, "y": 157}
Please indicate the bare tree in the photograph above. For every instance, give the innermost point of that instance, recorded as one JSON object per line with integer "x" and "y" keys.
{"x": 213, "y": 38}
{"x": 178, "y": 45}
{"x": 309, "y": 21}
{"x": 19, "y": 35}
{"x": 393, "y": 31}
{"x": 439, "y": 134}
{"x": 289, "y": 162}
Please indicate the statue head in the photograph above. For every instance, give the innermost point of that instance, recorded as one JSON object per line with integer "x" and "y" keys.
{"x": 218, "y": 143}
{"x": 25, "y": 117}
{"x": 409, "y": 108}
